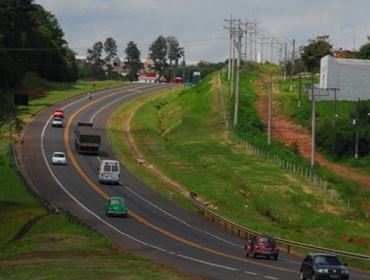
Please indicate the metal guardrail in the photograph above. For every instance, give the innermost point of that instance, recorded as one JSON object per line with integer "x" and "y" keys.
{"x": 246, "y": 233}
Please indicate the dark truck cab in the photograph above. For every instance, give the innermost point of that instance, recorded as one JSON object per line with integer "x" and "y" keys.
{"x": 87, "y": 138}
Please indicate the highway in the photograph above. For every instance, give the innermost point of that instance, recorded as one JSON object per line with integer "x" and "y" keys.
{"x": 156, "y": 227}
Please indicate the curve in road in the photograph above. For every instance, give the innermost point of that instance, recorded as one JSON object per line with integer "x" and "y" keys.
{"x": 160, "y": 229}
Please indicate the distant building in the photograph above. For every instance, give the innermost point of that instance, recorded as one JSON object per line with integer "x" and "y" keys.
{"x": 344, "y": 54}
{"x": 350, "y": 76}
{"x": 148, "y": 78}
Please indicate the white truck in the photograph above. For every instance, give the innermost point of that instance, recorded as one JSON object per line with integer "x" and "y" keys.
{"x": 109, "y": 172}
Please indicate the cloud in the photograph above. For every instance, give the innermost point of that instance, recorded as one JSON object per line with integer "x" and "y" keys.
{"x": 199, "y": 24}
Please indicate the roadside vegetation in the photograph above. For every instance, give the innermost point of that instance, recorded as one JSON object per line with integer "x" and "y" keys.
{"x": 37, "y": 244}
{"x": 183, "y": 135}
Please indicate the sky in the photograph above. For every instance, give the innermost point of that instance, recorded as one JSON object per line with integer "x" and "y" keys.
{"x": 199, "y": 24}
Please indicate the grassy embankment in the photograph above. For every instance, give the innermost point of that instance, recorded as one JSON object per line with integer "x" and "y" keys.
{"x": 182, "y": 134}
{"x": 55, "y": 248}
{"x": 325, "y": 112}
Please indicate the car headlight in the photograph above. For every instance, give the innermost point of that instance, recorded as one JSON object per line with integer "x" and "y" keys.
{"x": 344, "y": 271}
{"x": 322, "y": 270}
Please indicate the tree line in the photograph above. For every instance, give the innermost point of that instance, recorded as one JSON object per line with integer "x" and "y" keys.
{"x": 165, "y": 52}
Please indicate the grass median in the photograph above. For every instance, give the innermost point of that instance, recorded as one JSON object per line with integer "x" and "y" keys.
{"x": 182, "y": 134}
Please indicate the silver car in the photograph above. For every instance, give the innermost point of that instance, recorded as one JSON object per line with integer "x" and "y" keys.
{"x": 57, "y": 122}
{"x": 59, "y": 158}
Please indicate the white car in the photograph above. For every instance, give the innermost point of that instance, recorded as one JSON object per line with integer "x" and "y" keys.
{"x": 57, "y": 122}
{"x": 59, "y": 158}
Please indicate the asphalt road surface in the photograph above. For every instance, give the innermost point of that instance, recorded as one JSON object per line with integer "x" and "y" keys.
{"x": 156, "y": 227}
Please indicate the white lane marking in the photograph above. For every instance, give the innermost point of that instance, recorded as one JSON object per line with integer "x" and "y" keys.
{"x": 208, "y": 263}
{"x": 179, "y": 220}
{"x": 109, "y": 104}
{"x": 105, "y": 222}
{"x": 270, "y": 277}
{"x": 251, "y": 273}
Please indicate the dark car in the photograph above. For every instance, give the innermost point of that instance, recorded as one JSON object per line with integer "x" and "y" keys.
{"x": 323, "y": 266}
{"x": 261, "y": 245}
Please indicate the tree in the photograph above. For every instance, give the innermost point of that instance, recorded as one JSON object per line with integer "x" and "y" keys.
{"x": 364, "y": 52}
{"x": 110, "y": 48}
{"x": 314, "y": 51}
{"x": 158, "y": 53}
{"x": 94, "y": 59}
{"x": 30, "y": 40}
{"x": 175, "y": 52}
{"x": 133, "y": 60}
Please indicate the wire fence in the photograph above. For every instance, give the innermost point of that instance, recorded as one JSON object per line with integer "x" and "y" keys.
{"x": 307, "y": 172}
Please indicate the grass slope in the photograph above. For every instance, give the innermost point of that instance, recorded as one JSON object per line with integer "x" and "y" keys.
{"x": 55, "y": 248}
{"x": 182, "y": 134}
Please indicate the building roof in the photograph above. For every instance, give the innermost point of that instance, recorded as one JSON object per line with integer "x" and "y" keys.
{"x": 353, "y": 61}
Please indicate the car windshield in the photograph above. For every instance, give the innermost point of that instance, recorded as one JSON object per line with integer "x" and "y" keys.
{"x": 266, "y": 240}
{"x": 330, "y": 260}
{"x": 116, "y": 201}
{"x": 59, "y": 155}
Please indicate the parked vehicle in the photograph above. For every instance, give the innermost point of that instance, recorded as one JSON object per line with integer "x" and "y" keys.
{"x": 59, "y": 158}
{"x": 323, "y": 266}
{"x": 57, "y": 122}
{"x": 58, "y": 113}
{"x": 87, "y": 138}
{"x": 116, "y": 207}
{"x": 261, "y": 245}
{"x": 109, "y": 172}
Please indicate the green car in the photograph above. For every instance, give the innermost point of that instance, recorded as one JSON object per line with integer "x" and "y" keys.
{"x": 116, "y": 207}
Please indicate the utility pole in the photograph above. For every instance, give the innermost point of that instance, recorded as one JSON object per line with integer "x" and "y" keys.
{"x": 299, "y": 90}
{"x": 272, "y": 49}
{"x": 232, "y": 68}
{"x": 239, "y": 43}
{"x": 313, "y": 124}
{"x": 292, "y": 65}
{"x": 255, "y": 40}
{"x": 269, "y": 113}
{"x": 230, "y": 21}
{"x": 285, "y": 58}
{"x": 357, "y": 124}
{"x": 246, "y": 39}
{"x": 335, "y": 105}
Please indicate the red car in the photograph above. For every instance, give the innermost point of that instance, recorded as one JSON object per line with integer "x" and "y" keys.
{"x": 261, "y": 245}
{"x": 58, "y": 113}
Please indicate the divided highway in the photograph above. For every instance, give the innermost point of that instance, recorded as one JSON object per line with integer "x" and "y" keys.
{"x": 156, "y": 227}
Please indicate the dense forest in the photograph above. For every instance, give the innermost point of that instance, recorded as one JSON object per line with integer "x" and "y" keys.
{"x": 30, "y": 40}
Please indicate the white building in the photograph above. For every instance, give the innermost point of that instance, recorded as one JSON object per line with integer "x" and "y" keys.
{"x": 350, "y": 76}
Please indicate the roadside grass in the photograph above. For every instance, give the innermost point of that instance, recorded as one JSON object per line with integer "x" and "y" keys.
{"x": 116, "y": 131}
{"x": 188, "y": 145}
{"x": 54, "y": 247}
{"x": 325, "y": 112}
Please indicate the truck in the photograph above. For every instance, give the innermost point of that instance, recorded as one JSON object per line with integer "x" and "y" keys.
{"x": 87, "y": 138}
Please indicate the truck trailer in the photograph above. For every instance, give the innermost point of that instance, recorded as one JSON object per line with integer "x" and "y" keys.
{"x": 87, "y": 138}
